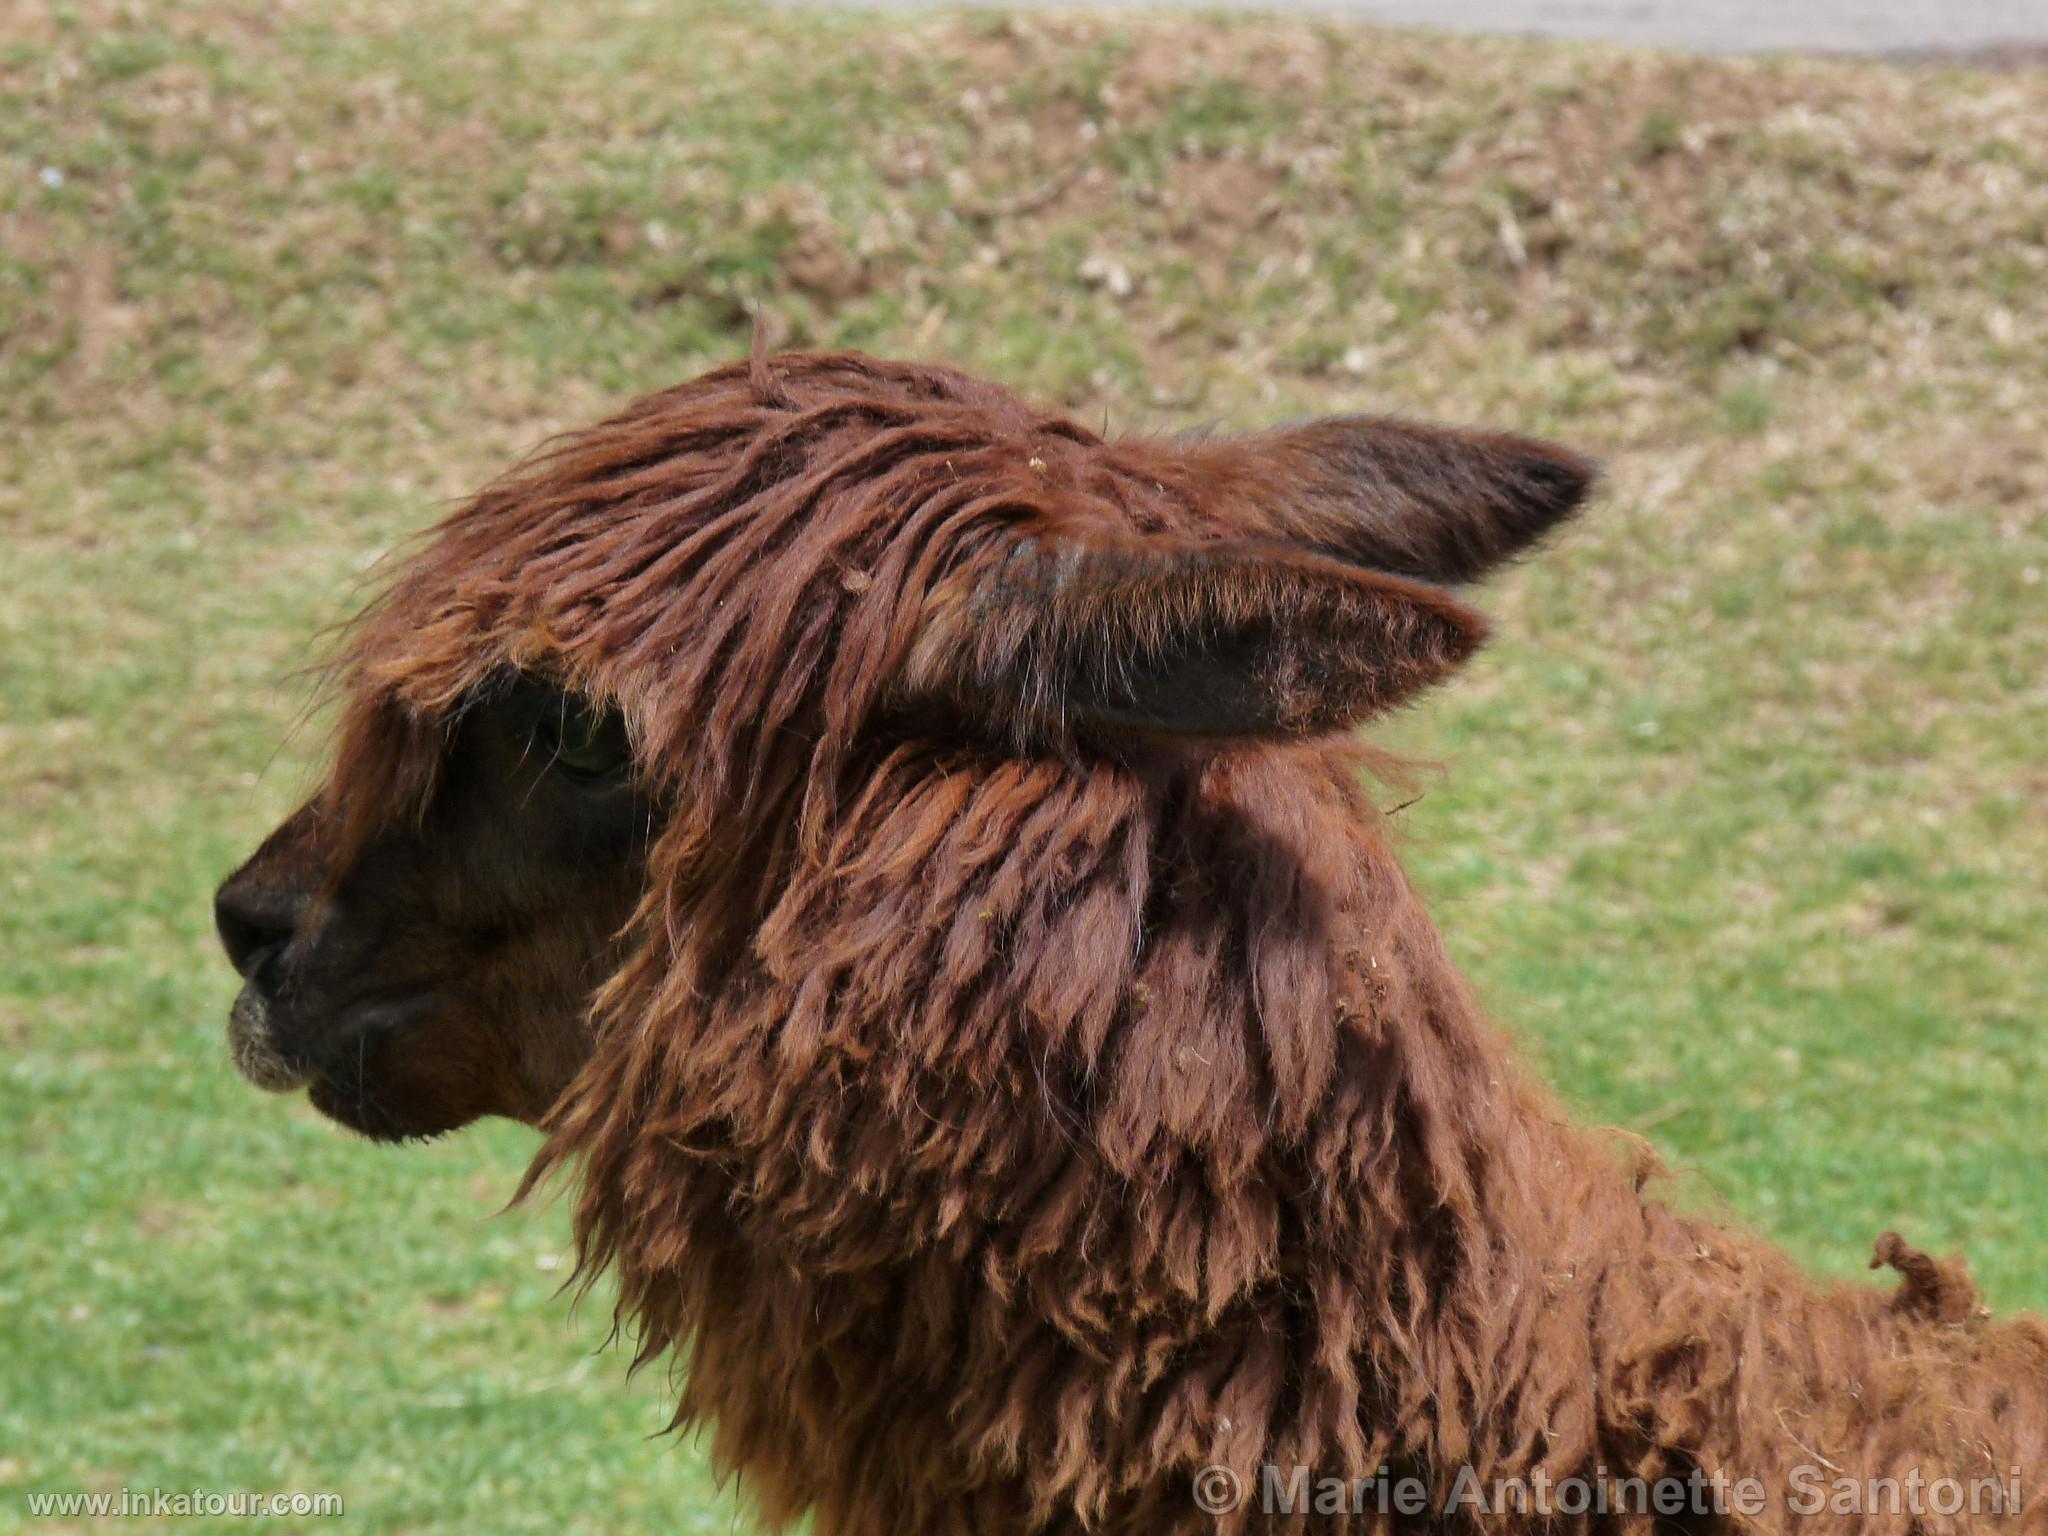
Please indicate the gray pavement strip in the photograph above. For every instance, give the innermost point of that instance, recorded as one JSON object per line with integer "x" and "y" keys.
{"x": 1994, "y": 29}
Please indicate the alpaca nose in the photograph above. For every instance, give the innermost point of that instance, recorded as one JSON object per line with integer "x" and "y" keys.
{"x": 256, "y": 920}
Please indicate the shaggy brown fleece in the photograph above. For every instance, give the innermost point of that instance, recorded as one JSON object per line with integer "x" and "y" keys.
{"x": 1023, "y": 1092}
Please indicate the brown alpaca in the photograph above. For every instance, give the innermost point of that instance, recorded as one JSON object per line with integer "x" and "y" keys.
{"x": 1011, "y": 1070}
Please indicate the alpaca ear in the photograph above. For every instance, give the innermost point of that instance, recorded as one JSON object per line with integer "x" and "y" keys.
{"x": 1442, "y": 504}
{"x": 1178, "y": 637}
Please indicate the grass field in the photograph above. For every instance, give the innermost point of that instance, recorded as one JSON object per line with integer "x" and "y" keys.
{"x": 1743, "y": 821}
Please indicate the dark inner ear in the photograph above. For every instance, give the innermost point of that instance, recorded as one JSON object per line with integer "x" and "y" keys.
{"x": 1206, "y": 690}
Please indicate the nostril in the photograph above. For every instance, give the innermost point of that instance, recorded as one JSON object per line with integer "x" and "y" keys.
{"x": 250, "y": 932}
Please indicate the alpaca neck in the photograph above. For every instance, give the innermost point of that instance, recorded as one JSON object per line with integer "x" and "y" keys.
{"x": 1056, "y": 1111}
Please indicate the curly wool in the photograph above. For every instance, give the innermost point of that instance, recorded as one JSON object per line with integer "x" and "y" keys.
{"x": 996, "y": 1129}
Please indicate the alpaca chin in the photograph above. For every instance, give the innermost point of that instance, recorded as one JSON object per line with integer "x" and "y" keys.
{"x": 256, "y": 1054}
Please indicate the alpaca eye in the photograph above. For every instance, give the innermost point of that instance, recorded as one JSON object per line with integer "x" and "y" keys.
{"x": 583, "y": 743}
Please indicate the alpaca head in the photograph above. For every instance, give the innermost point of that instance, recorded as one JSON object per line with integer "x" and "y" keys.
{"x": 439, "y": 972}
{"x": 618, "y": 695}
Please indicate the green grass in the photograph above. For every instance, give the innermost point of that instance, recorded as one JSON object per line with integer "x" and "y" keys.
{"x": 1744, "y": 816}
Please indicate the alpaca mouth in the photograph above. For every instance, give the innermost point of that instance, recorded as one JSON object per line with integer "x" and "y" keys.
{"x": 252, "y": 1039}
{"x": 254, "y": 1049}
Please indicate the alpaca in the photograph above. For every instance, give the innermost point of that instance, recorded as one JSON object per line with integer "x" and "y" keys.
{"x": 911, "y": 857}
